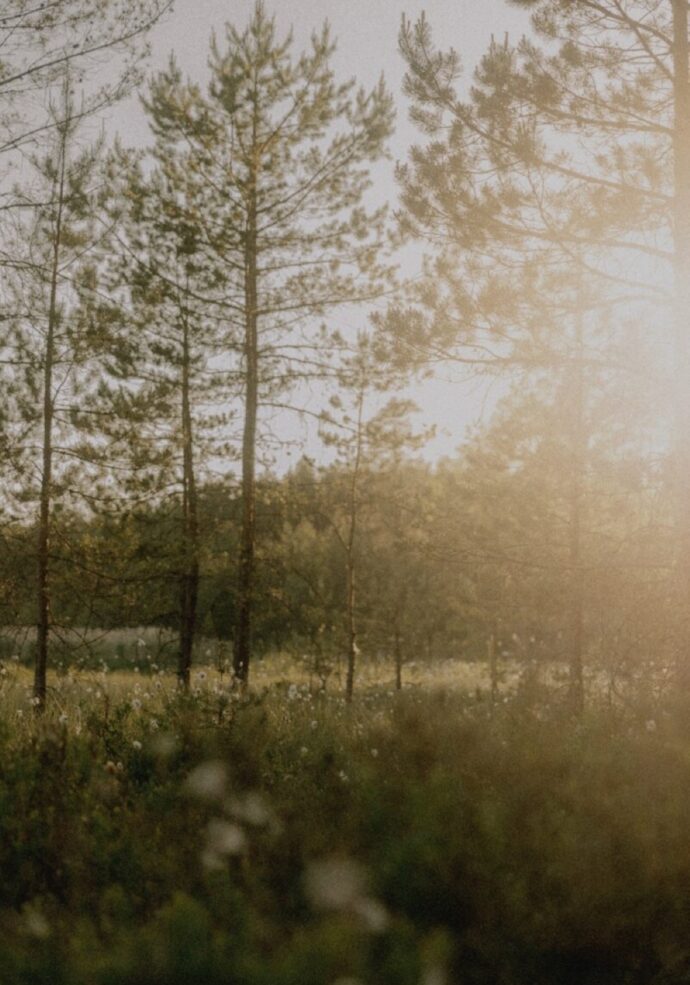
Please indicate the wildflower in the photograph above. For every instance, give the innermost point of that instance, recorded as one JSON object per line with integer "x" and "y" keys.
{"x": 63, "y": 719}
{"x": 251, "y": 808}
{"x": 335, "y": 883}
{"x": 225, "y": 838}
{"x": 136, "y": 704}
{"x": 372, "y": 913}
{"x": 374, "y": 753}
{"x": 303, "y": 751}
{"x": 208, "y": 780}
{"x": 136, "y": 745}
{"x": 344, "y": 777}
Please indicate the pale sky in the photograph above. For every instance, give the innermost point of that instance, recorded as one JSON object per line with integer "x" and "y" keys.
{"x": 366, "y": 32}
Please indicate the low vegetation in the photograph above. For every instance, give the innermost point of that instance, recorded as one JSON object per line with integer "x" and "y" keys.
{"x": 286, "y": 837}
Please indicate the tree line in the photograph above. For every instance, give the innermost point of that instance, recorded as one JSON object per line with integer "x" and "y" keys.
{"x": 161, "y": 304}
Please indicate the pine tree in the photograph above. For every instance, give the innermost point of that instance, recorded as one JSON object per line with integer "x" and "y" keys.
{"x": 274, "y": 167}
{"x": 556, "y": 169}
{"x": 40, "y": 41}
{"x": 164, "y": 389}
{"x": 363, "y": 435}
{"x": 52, "y": 348}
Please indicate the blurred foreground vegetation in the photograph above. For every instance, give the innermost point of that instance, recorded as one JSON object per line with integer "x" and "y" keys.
{"x": 287, "y": 838}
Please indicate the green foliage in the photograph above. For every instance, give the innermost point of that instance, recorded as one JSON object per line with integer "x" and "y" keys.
{"x": 300, "y": 842}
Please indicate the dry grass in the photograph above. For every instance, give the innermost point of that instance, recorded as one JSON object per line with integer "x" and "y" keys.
{"x": 75, "y": 693}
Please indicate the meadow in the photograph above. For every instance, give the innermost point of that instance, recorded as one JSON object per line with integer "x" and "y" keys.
{"x": 281, "y": 836}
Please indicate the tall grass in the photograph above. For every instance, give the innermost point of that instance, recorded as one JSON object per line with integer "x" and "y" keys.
{"x": 284, "y": 837}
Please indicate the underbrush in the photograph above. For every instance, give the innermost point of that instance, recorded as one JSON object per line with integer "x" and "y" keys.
{"x": 286, "y": 839}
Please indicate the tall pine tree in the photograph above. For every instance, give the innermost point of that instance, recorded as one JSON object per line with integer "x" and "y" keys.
{"x": 273, "y": 171}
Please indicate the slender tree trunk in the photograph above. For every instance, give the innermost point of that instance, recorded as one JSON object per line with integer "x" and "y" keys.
{"x": 681, "y": 232}
{"x": 245, "y": 594}
{"x": 350, "y": 559}
{"x": 578, "y": 439}
{"x": 351, "y": 602}
{"x": 493, "y": 667}
{"x": 398, "y": 652}
{"x": 189, "y": 582}
{"x": 43, "y": 545}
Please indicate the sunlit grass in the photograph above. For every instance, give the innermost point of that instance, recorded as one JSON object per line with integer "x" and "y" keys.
{"x": 75, "y": 692}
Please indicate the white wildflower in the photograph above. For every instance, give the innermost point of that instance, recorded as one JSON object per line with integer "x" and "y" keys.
{"x": 372, "y": 913}
{"x": 335, "y": 883}
{"x": 208, "y": 780}
{"x": 225, "y": 838}
{"x": 251, "y": 808}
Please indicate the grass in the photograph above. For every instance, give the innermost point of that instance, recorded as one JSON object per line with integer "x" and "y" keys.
{"x": 282, "y": 837}
{"x": 149, "y": 683}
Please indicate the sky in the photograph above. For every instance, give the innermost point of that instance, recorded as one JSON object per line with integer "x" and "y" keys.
{"x": 366, "y": 32}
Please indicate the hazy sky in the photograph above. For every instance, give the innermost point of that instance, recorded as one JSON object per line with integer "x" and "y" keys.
{"x": 366, "y": 32}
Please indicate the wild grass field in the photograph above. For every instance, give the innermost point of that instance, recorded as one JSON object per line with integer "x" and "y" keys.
{"x": 283, "y": 837}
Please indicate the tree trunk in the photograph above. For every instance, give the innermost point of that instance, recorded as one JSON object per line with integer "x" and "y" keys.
{"x": 681, "y": 233}
{"x": 493, "y": 667}
{"x": 245, "y": 593}
{"x": 351, "y": 630}
{"x": 578, "y": 450}
{"x": 351, "y": 573}
{"x": 189, "y": 581}
{"x": 397, "y": 644}
{"x": 43, "y": 545}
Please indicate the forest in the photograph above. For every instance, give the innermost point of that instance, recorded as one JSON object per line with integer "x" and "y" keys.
{"x": 298, "y": 686}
